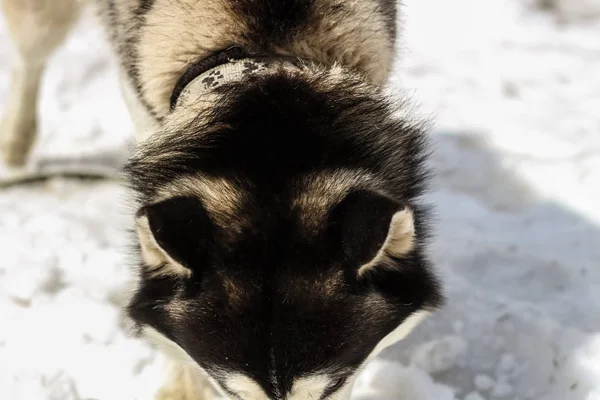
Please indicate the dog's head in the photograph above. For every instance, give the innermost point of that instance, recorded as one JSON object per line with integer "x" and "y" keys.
{"x": 282, "y": 242}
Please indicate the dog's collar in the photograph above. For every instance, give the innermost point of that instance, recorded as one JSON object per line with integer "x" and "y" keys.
{"x": 229, "y": 65}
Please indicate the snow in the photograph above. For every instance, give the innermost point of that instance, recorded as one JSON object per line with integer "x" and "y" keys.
{"x": 514, "y": 86}
{"x": 483, "y": 383}
{"x": 439, "y": 355}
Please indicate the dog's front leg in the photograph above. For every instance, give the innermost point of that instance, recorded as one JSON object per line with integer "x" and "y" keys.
{"x": 37, "y": 27}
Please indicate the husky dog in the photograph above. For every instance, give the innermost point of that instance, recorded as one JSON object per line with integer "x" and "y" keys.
{"x": 280, "y": 235}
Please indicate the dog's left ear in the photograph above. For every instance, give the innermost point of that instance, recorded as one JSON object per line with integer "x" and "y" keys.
{"x": 373, "y": 230}
{"x": 175, "y": 236}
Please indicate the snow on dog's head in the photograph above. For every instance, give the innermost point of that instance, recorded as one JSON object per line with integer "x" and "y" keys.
{"x": 282, "y": 240}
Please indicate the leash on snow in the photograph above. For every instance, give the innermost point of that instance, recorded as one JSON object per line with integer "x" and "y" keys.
{"x": 82, "y": 169}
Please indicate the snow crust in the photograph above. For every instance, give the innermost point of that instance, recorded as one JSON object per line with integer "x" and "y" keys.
{"x": 514, "y": 87}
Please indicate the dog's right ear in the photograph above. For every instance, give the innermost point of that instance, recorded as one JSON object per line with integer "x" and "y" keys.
{"x": 175, "y": 236}
{"x": 373, "y": 230}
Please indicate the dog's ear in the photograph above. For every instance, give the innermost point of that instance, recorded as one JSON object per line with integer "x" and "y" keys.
{"x": 175, "y": 236}
{"x": 373, "y": 230}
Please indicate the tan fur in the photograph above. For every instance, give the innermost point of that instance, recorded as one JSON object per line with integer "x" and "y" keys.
{"x": 245, "y": 387}
{"x": 237, "y": 297}
{"x": 37, "y": 27}
{"x": 172, "y": 38}
{"x": 184, "y": 381}
{"x": 323, "y": 190}
{"x": 313, "y": 385}
{"x": 221, "y": 199}
{"x": 359, "y": 42}
{"x": 401, "y": 237}
{"x": 322, "y": 288}
{"x": 399, "y": 242}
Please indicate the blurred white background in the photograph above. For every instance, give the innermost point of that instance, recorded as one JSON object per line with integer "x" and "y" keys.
{"x": 514, "y": 88}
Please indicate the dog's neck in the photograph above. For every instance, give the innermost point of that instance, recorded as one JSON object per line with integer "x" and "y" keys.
{"x": 225, "y": 67}
{"x": 208, "y": 81}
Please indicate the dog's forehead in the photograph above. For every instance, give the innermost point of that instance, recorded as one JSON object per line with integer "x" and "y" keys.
{"x": 233, "y": 204}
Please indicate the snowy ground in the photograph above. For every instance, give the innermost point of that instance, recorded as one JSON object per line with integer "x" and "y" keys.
{"x": 515, "y": 89}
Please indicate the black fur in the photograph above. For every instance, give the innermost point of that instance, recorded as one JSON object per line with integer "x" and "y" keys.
{"x": 182, "y": 228}
{"x": 363, "y": 221}
{"x": 390, "y": 13}
{"x": 286, "y": 319}
{"x": 145, "y": 6}
{"x": 282, "y": 126}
